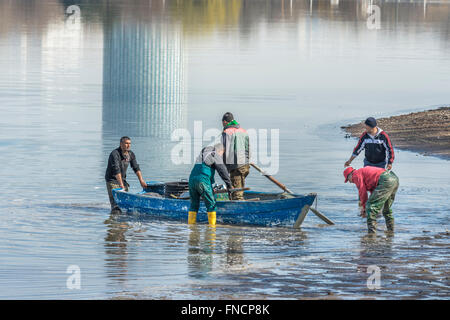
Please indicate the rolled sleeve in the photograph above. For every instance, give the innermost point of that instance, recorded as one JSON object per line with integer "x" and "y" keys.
{"x": 363, "y": 197}
{"x": 361, "y": 190}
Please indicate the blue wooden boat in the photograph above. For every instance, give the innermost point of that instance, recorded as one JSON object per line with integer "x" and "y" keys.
{"x": 258, "y": 208}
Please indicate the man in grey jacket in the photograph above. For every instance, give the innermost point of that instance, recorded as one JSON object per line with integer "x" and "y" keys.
{"x": 201, "y": 180}
{"x": 237, "y": 153}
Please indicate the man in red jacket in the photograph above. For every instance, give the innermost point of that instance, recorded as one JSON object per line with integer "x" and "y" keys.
{"x": 382, "y": 185}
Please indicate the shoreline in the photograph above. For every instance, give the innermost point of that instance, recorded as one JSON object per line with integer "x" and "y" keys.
{"x": 425, "y": 132}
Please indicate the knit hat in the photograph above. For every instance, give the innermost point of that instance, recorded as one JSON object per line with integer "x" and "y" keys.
{"x": 371, "y": 122}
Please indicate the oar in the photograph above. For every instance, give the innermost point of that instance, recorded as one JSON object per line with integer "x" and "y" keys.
{"x": 279, "y": 184}
{"x": 181, "y": 197}
{"x": 321, "y": 216}
{"x": 283, "y": 187}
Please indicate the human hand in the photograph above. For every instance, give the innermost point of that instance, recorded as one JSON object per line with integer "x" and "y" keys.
{"x": 362, "y": 213}
{"x": 389, "y": 167}
{"x": 143, "y": 184}
{"x": 347, "y": 163}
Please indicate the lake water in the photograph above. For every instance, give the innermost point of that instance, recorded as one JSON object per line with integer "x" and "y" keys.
{"x": 71, "y": 84}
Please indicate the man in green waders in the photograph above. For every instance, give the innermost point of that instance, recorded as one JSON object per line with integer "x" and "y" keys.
{"x": 202, "y": 179}
{"x": 382, "y": 185}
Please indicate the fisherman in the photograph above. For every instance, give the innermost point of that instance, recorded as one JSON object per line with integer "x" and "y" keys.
{"x": 202, "y": 179}
{"x": 116, "y": 172}
{"x": 237, "y": 153}
{"x": 382, "y": 185}
{"x": 377, "y": 144}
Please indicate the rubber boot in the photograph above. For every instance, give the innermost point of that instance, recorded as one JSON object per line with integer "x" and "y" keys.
{"x": 212, "y": 218}
{"x": 390, "y": 225}
{"x": 192, "y": 218}
{"x": 372, "y": 226}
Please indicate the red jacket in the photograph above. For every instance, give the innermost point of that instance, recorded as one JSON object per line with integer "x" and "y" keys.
{"x": 366, "y": 179}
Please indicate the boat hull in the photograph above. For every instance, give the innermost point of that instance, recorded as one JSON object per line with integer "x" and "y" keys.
{"x": 278, "y": 212}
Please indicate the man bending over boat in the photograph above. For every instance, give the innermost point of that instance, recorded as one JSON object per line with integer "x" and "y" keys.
{"x": 116, "y": 172}
{"x": 382, "y": 185}
{"x": 202, "y": 179}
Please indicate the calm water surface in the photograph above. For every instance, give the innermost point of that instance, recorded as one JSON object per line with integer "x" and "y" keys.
{"x": 72, "y": 85}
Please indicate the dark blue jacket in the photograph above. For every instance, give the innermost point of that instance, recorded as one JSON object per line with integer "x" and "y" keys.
{"x": 378, "y": 148}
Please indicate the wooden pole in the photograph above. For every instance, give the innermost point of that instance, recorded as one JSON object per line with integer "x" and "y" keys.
{"x": 283, "y": 187}
{"x": 301, "y": 217}
{"x": 321, "y": 216}
{"x": 279, "y": 184}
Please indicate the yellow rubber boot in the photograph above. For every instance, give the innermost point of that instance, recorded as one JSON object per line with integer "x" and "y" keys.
{"x": 212, "y": 218}
{"x": 192, "y": 218}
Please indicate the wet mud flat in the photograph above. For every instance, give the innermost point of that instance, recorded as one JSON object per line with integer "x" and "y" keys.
{"x": 417, "y": 270}
{"x": 426, "y": 132}
{"x": 413, "y": 268}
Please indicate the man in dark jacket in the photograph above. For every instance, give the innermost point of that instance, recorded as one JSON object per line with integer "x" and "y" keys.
{"x": 202, "y": 179}
{"x": 116, "y": 172}
{"x": 379, "y": 151}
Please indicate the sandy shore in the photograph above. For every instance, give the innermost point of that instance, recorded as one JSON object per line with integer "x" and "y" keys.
{"x": 426, "y": 132}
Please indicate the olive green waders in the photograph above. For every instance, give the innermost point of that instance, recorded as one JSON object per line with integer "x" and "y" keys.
{"x": 382, "y": 199}
{"x": 110, "y": 185}
{"x": 237, "y": 177}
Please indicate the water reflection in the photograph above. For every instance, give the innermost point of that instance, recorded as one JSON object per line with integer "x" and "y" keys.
{"x": 144, "y": 85}
{"x": 317, "y": 52}
{"x": 201, "y": 251}
{"x": 116, "y": 249}
{"x": 235, "y": 251}
{"x": 204, "y": 16}
{"x": 375, "y": 250}
{"x": 144, "y": 81}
